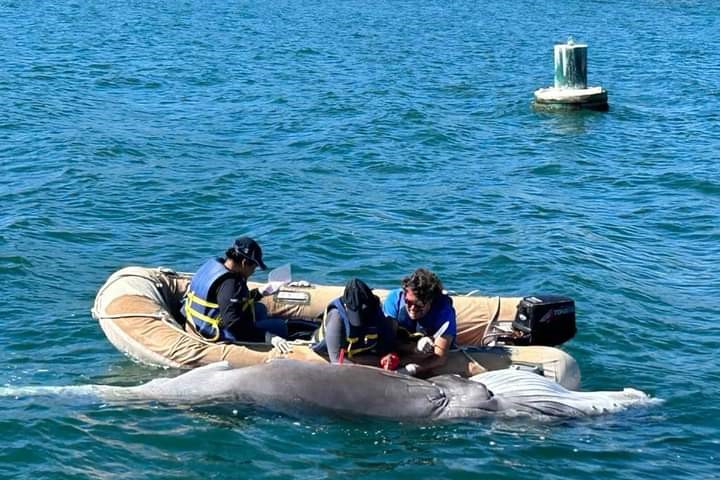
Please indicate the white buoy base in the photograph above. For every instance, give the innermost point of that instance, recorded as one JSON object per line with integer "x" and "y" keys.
{"x": 551, "y": 98}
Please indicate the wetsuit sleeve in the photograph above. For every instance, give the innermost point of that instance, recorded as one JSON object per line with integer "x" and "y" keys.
{"x": 334, "y": 338}
{"x": 231, "y": 296}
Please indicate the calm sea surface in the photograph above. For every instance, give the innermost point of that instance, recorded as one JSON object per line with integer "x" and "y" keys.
{"x": 362, "y": 138}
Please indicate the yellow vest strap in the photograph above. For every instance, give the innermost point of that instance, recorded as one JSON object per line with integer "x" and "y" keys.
{"x": 190, "y": 311}
{"x": 194, "y": 298}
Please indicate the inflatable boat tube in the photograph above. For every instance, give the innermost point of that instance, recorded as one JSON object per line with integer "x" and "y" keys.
{"x": 138, "y": 309}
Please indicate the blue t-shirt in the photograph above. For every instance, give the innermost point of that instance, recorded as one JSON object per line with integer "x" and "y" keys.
{"x": 441, "y": 311}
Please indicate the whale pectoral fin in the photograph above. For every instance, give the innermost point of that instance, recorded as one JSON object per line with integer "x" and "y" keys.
{"x": 201, "y": 372}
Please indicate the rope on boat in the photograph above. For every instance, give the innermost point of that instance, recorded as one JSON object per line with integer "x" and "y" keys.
{"x": 132, "y": 315}
{"x": 469, "y": 357}
{"x": 490, "y": 324}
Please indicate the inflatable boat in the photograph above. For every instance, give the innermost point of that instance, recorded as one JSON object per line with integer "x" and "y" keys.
{"x": 138, "y": 309}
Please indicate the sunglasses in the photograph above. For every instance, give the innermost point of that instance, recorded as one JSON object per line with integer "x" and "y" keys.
{"x": 417, "y": 305}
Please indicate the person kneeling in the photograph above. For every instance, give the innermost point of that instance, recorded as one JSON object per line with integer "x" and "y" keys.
{"x": 354, "y": 324}
{"x": 421, "y": 309}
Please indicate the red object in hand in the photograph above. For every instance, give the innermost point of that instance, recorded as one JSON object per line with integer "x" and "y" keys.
{"x": 390, "y": 361}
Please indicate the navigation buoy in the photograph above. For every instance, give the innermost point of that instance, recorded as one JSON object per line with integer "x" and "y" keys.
{"x": 570, "y": 91}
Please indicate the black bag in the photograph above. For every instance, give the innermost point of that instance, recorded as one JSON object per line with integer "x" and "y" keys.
{"x": 544, "y": 320}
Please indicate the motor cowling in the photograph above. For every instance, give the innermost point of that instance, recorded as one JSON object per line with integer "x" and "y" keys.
{"x": 544, "y": 320}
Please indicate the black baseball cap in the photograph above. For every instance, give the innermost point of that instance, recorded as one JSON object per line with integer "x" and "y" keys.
{"x": 361, "y": 304}
{"x": 249, "y": 249}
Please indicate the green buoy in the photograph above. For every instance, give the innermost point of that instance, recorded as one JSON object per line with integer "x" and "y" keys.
{"x": 570, "y": 91}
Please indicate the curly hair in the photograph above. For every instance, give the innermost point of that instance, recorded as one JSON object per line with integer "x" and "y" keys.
{"x": 424, "y": 284}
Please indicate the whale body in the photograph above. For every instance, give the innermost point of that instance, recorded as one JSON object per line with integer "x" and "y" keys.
{"x": 355, "y": 390}
{"x": 293, "y": 386}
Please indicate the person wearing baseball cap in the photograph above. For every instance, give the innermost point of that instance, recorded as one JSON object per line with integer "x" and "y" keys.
{"x": 353, "y": 324}
{"x": 218, "y": 305}
{"x": 246, "y": 249}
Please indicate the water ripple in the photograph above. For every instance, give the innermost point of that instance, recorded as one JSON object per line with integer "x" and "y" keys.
{"x": 367, "y": 140}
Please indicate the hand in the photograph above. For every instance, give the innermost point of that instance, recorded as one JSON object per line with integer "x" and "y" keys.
{"x": 390, "y": 361}
{"x": 255, "y": 295}
{"x": 425, "y": 345}
{"x": 410, "y": 369}
{"x": 271, "y": 287}
{"x": 282, "y": 345}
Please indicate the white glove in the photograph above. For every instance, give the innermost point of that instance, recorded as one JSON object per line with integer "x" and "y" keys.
{"x": 425, "y": 345}
{"x": 278, "y": 342}
{"x": 270, "y": 288}
{"x": 410, "y": 369}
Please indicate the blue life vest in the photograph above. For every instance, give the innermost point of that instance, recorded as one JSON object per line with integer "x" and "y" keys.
{"x": 430, "y": 320}
{"x": 205, "y": 315}
{"x": 359, "y": 339}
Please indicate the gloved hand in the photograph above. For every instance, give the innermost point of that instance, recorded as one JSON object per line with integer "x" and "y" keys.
{"x": 270, "y": 288}
{"x": 425, "y": 345}
{"x": 282, "y": 345}
{"x": 410, "y": 369}
{"x": 390, "y": 361}
{"x": 255, "y": 295}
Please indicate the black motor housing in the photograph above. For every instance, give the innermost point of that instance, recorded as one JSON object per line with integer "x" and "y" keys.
{"x": 544, "y": 320}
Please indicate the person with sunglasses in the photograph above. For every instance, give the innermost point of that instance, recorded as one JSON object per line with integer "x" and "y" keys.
{"x": 421, "y": 308}
{"x": 219, "y": 307}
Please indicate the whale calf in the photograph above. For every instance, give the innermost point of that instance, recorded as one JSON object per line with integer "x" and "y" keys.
{"x": 295, "y": 386}
{"x": 355, "y": 390}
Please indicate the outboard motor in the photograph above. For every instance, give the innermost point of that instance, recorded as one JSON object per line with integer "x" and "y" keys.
{"x": 544, "y": 320}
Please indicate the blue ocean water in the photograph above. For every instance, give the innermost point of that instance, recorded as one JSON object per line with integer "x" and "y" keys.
{"x": 367, "y": 139}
